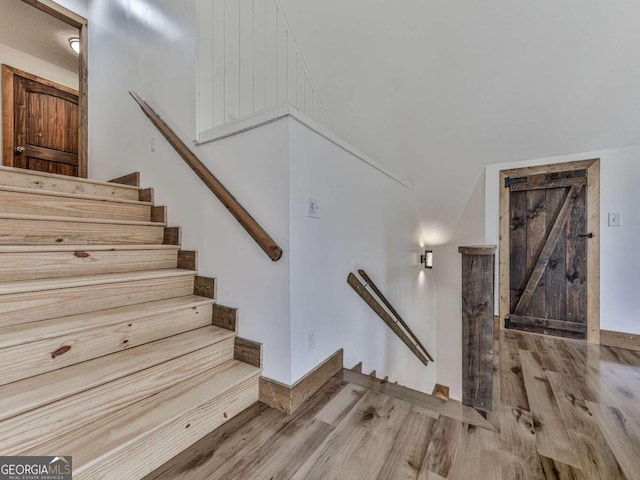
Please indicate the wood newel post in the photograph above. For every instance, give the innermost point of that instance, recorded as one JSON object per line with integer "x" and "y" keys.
{"x": 478, "y": 274}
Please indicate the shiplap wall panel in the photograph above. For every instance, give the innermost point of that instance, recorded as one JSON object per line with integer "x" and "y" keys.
{"x": 246, "y": 57}
{"x": 249, "y": 61}
{"x": 217, "y": 108}
{"x": 232, "y": 60}
{"x": 259, "y": 55}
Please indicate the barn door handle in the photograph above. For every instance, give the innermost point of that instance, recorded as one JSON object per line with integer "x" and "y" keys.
{"x": 586, "y": 235}
{"x": 20, "y": 149}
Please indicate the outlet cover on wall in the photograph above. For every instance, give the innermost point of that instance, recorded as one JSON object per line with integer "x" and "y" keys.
{"x": 614, "y": 220}
{"x": 313, "y": 208}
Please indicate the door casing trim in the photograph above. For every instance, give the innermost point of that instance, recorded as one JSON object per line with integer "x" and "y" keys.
{"x": 71, "y": 18}
{"x": 593, "y": 245}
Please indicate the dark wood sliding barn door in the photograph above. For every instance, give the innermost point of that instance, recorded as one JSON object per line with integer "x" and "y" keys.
{"x": 548, "y": 253}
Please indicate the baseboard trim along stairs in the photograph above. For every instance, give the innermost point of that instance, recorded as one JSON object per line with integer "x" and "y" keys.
{"x": 113, "y": 349}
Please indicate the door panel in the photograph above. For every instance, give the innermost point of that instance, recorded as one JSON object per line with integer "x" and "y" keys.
{"x": 45, "y": 126}
{"x": 548, "y": 257}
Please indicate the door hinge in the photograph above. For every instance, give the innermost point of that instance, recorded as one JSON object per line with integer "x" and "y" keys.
{"x": 586, "y": 235}
{"x": 513, "y": 180}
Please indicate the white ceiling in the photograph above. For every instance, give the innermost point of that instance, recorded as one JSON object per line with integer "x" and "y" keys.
{"x": 436, "y": 89}
{"x": 26, "y": 28}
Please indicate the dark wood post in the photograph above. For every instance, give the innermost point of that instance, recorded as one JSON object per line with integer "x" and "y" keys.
{"x": 478, "y": 274}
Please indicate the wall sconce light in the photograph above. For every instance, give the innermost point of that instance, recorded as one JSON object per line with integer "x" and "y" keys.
{"x": 427, "y": 259}
{"x": 74, "y": 43}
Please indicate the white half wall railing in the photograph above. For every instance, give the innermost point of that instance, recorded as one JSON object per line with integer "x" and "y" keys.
{"x": 248, "y": 60}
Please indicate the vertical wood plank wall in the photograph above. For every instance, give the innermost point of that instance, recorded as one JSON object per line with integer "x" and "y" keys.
{"x": 248, "y": 61}
{"x": 478, "y": 274}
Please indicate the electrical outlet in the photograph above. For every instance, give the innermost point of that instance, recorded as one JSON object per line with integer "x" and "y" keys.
{"x": 152, "y": 144}
{"x": 614, "y": 220}
{"x": 313, "y": 208}
{"x": 311, "y": 340}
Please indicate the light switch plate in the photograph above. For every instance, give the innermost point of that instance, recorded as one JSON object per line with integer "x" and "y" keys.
{"x": 614, "y": 220}
{"x": 313, "y": 208}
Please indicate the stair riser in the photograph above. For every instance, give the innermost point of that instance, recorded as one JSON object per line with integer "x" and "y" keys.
{"x": 44, "y": 424}
{"x": 56, "y": 184}
{"x": 35, "y": 358}
{"x": 37, "y": 204}
{"x": 52, "y": 232}
{"x": 22, "y": 308}
{"x": 35, "y": 265}
{"x": 134, "y": 460}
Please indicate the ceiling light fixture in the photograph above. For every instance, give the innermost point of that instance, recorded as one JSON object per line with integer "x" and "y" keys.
{"x": 74, "y": 43}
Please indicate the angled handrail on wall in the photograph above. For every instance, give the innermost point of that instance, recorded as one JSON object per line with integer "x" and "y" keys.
{"x": 253, "y": 228}
{"x": 393, "y": 311}
{"x": 370, "y": 300}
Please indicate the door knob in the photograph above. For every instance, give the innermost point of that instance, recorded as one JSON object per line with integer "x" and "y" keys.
{"x": 20, "y": 149}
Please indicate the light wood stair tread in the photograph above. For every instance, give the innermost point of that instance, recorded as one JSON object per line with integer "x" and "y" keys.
{"x": 179, "y": 407}
{"x": 81, "y": 248}
{"x": 51, "y": 218}
{"x": 65, "y": 178}
{"x": 24, "y": 286}
{"x": 73, "y": 196}
{"x": 33, "y": 332}
{"x": 54, "y": 419}
{"x": 31, "y": 393}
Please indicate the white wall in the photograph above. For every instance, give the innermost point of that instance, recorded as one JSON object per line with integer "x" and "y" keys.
{"x": 367, "y": 221}
{"x": 619, "y": 255}
{"x": 36, "y": 66}
{"x": 248, "y": 61}
{"x": 151, "y": 50}
{"x": 278, "y": 301}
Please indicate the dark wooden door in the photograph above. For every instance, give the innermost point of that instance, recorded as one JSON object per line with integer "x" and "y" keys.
{"x": 45, "y": 126}
{"x": 548, "y": 253}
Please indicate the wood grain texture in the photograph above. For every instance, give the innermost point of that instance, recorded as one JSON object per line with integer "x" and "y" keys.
{"x": 119, "y": 290}
{"x": 98, "y": 336}
{"x": 357, "y": 367}
{"x": 253, "y": 228}
{"x": 34, "y": 202}
{"x": 158, "y": 214}
{"x": 172, "y": 236}
{"x": 359, "y": 288}
{"x": 290, "y": 398}
{"x": 593, "y": 208}
{"x": 14, "y": 177}
{"x": 225, "y": 317}
{"x": 361, "y": 438}
{"x": 205, "y": 287}
{"x": 551, "y": 433}
{"x": 477, "y": 330}
{"x": 76, "y": 260}
{"x": 185, "y": 413}
{"x": 34, "y": 392}
{"x": 132, "y": 179}
{"x": 32, "y": 428}
{"x": 17, "y": 230}
{"x": 187, "y": 259}
{"x": 248, "y": 351}
{"x": 146, "y": 195}
{"x": 629, "y": 341}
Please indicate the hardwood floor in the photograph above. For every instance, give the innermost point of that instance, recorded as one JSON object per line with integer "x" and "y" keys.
{"x": 564, "y": 410}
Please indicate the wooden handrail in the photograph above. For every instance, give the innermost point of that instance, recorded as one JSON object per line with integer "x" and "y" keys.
{"x": 393, "y": 311}
{"x": 384, "y": 315}
{"x": 253, "y": 228}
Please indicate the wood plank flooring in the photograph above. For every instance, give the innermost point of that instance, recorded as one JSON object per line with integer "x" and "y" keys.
{"x": 563, "y": 410}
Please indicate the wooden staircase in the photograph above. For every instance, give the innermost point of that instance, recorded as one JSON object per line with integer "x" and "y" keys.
{"x": 108, "y": 352}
